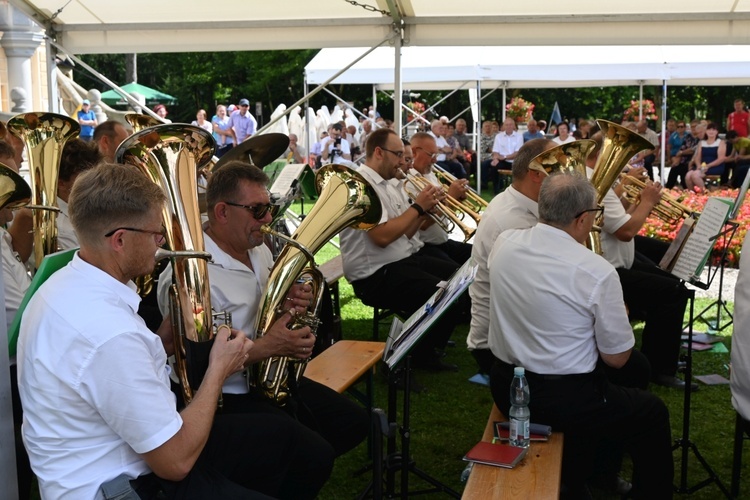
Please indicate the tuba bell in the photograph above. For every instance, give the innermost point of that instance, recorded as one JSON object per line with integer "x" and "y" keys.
{"x": 44, "y": 135}
{"x": 14, "y": 191}
{"x": 565, "y": 158}
{"x": 345, "y": 199}
{"x": 618, "y": 147}
{"x": 170, "y": 156}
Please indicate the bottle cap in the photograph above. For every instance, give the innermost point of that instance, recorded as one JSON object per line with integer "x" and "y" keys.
{"x": 518, "y": 371}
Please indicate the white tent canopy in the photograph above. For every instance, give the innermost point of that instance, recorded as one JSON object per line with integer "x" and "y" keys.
{"x": 430, "y": 68}
{"x": 103, "y": 26}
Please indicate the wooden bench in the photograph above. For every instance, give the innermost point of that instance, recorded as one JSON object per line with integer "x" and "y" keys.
{"x": 344, "y": 363}
{"x": 333, "y": 271}
{"x": 537, "y": 476}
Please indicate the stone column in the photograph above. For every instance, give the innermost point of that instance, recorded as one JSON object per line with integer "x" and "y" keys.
{"x": 20, "y": 39}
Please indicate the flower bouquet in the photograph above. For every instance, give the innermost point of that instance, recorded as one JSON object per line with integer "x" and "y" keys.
{"x": 519, "y": 109}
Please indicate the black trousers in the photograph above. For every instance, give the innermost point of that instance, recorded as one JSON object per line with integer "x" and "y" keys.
{"x": 589, "y": 410}
{"x": 675, "y": 172}
{"x": 659, "y": 299}
{"x": 405, "y": 286}
{"x": 454, "y": 251}
{"x": 490, "y": 173}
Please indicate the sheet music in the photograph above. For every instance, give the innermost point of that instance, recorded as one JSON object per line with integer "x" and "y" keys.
{"x": 284, "y": 182}
{"x": 694, "y": 255}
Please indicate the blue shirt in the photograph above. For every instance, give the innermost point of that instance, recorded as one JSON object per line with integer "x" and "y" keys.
{"x": 675, "y": 142}
{"x": 527, "y": 136}
{"x": 86, "y": 130}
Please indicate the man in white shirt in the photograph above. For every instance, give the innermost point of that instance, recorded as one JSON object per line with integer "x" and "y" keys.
{"x": 335, "y": 148}
{"x": 327, "y": 424}
{"x": 560, "y": 314}
{"x": 437, "y": 241}
{"x": 381, "y": 264}
{"x": 504, "y": 150}
{"x": 87, "y": 358}
{"x": 445, "y": 157}
{"x": 514, "y": 208}
{"x": 648, "y": 157}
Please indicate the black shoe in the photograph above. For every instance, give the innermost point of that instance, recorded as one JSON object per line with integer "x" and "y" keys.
{"x": 434, "y": 364}
{"x": 673, "y": 382}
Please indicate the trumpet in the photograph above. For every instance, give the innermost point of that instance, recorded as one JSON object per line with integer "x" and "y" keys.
{"x": 445, "y": 216}
{"x": 668, "y": 209}
{"x": 473, "y": 201}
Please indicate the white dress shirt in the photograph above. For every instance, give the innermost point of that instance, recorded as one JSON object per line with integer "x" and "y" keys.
{"x": 235, "y": 288}
{"x": 508, "y": 210}
{"x": 343, "y": 147}
{"x": 362, "y": 257}
{"x": 740, "y": 375}
{"x": 66, "y": 235}
{"x": 94, "y": 383}
{"x": 507, "y": 144}
{"x": 16, "y": 279}
{"x": 618, "y": 253}
{"x": 440, "y": 142}
{"x": 557, "y": 140}
{"x": 554, "y": 303}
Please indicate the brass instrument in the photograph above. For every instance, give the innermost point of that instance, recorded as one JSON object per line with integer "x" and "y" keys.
{"x": 14, "y": 191}
{"x": 473, "y": 201}
{"x": 566, "y": 158}
{"x": 138, "y": 121}
{"x": 444, "y": 215}
{"x": 668, "y": 209}
{"x": 345, "y": 199}
{"x": 44, "y": 135}
{"x": 170, "y": 156}
{"x": 618, "y": 147}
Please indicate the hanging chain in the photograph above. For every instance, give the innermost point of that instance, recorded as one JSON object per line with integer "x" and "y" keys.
{"x": 368, "y": 7}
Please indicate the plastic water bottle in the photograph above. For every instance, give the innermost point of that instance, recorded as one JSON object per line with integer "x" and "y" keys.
{"x": 519, "y": 410}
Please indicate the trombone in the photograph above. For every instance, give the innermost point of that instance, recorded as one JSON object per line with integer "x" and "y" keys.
{"x": 473, "y": 201}
{"x": 445, "y": 217}
{"x": 668, "y": 209}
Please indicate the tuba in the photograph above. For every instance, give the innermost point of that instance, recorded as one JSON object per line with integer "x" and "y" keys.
{"x": 669, "y": 209}
{"x": 565, "y": 158}
{"x": 14, "y": 191}
{"x": 138, "y": 121}
{"x": 44, "y": 135}
{"x": 618, "y": 147}
{"x": 170, "y": 156}
{"x": 345, "y": 199}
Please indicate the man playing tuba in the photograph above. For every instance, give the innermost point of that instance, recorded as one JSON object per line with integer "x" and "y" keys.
{"x": 326, "y": 423}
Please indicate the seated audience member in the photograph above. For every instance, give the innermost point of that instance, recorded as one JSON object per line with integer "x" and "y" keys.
{"x": 326, "y": 423}
{"x": 681, "y": 157}
{"x": 334, "y": 148}
{"x": 514, "y": 208}
{"x": 532, "y": 131}
{"x": 565, "y": 343}
{"x": 504, "y": 150}
{"x": 383, "y": 265}
{"x": 740, "y": 156}
{"x": 85, "y": 357}
{"x": 446, "y": 154}
{"x": 107, "y": 136}
{"x": 295, "y": 153}
{"x": 709, "y": 158}
{"x": 563, "y": 134}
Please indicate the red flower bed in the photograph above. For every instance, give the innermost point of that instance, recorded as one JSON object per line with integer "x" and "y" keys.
{"x": 656, "y": 228}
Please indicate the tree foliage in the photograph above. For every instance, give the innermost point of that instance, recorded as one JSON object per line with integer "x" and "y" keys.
{"x": 205, "y": 79}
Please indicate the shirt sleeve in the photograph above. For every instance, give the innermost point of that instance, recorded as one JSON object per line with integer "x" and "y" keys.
{"x": 615, "y": 215}
{"x": 611, "y": 326}
{"x": 127, "y": 384}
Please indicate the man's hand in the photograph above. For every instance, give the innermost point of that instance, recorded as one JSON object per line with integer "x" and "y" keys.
{"x": 458, "y": 189}
{"x": 637, "y": 173}
{"x": 651, "y": 194}
{"x": 282, "y": 341}
{"x": 429, "y": 197}
{"x": 230, "y": 351}
{"x": 299, "y": 298}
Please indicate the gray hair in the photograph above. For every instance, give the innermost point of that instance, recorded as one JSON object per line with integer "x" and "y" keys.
{"x": 563, "y": 197}
{"x": 528, "y": 152}
{"x": 111, "y": 195}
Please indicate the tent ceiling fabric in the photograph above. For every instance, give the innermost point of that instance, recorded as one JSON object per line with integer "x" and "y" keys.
{"x": 102, "y": 26}
{"x": 431, "y": 68}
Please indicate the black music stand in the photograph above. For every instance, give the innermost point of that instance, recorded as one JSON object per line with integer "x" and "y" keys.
{"x": 719, "y": 303}
{"x": 401, "y": 339}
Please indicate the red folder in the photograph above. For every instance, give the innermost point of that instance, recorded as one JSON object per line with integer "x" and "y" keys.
{"x": 499, "y": 455}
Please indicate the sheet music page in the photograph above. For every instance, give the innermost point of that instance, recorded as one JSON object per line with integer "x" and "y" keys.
{"x": 695, "y": 253}
{"x": 283, "y": 183}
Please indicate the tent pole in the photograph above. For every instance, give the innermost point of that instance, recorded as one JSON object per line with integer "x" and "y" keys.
{"x": 374, "y": 105}
{"x": 640, "y": 100}
{"x": 305, "y": 111}
{"x": 467, "y": 108}
{"x": 505, "y": 84}
{"x": 52, "y": 94}
{"x": 478, "y": 136}
{"x": 397, "y": 97}
{"x": 321, "y": 86}
{"x": 663, "y": 129}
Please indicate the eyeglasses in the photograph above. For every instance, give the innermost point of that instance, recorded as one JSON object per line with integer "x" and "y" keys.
{"x": 400, "y": 154}
{"x": 159, "y": 237}
{"x": 680, "y": 126}
{"x": 431, "y": 155}
{"x": 257, "y": 211}
{"x": 408, "y": 159}
{"x": 599, "y": 212}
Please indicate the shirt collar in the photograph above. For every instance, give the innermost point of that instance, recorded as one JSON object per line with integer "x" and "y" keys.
{"x": 524, "y": 201}
{"x": 222, "y": 259}
{"x": 126, "y": 291}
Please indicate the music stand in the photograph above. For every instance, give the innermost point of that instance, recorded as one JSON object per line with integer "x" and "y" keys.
{"x": 401, "y": 339}
{"x": 688, "y": 268}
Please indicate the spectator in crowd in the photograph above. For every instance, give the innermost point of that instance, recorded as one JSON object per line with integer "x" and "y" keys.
{"x": 709, "y": 158}
{"x": 740, "y": 156}
{"x": 161, "y": 110}
{"x": 648, "y": 156}
{"x": 738, "y": 119}
{"x": 334, "y": 148}
{"x": 295, "y": 153}
{"x": 201, "y": 120}
{"x": 243, "y": 122}
{"x": 532, "y": 131}
{"x": 504, "y": 150}
{"x": 684, "y": 155}
{"x": 223, "y": 131}
{"x": 445, "y": 157}
{"x": 87, "y": 121}
{"x": 542, "y": 126}
{"x": 563, "y": 134}
{"x": 107, "y": 136}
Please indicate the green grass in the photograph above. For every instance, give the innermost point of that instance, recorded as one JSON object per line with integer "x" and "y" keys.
{"x": 450, "y": 418}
